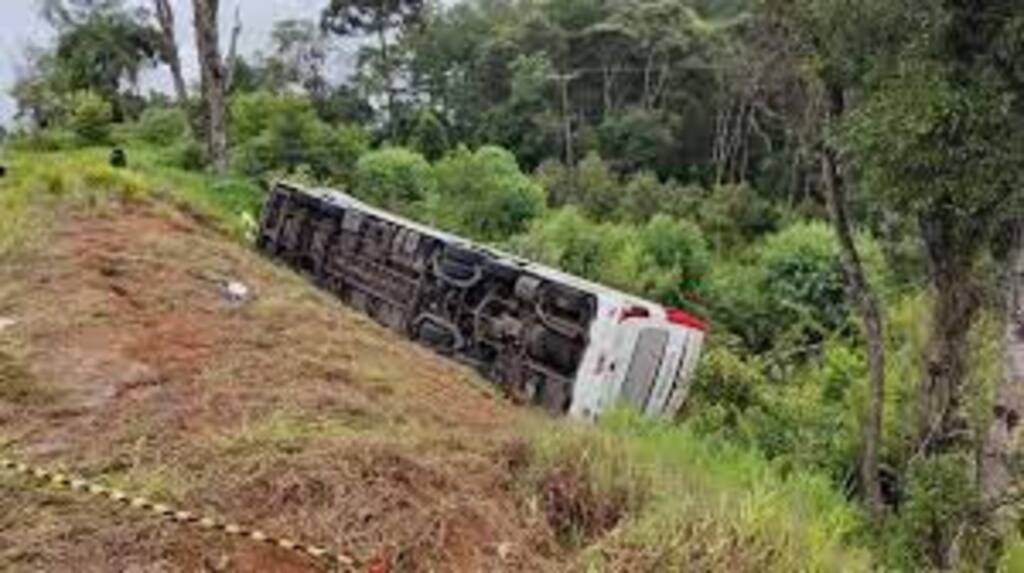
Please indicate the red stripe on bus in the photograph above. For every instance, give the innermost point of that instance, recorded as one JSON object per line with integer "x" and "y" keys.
{"x": 679, "y": 316}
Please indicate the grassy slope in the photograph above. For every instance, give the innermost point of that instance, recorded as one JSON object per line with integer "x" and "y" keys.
{"x": 294, "y": 396}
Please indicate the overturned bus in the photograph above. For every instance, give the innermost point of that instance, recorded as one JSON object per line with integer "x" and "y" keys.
{"x": 545, "y": 337}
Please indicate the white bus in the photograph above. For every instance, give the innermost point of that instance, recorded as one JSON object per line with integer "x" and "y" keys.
{"x": 546, "y": 337}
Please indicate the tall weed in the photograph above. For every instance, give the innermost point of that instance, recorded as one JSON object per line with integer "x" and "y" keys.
{"x": 700, "y": 503}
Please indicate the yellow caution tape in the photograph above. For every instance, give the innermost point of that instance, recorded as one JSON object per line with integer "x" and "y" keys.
{"x": 324, "y": 556}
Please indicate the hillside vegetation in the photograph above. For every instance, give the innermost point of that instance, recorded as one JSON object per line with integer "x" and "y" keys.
{"x": 835, "y": 185}
{"x": 292, "y": 413}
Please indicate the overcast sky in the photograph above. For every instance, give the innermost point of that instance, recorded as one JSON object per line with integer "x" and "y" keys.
{"x": 20, "y": 25}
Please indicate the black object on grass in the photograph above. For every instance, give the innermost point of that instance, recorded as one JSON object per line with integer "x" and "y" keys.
{"x": 118, "y": 158}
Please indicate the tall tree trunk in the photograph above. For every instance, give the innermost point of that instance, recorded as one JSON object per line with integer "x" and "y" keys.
{"x": 213, "y": 81}
{"x": 165, "y": 17}
{"x": 232, "y": 59}
{"x": 860, "y": 292}
{"x": 942, "y": 423}
{"x": 995, "y": 475}
{"x": 648, "y": 73}
{"x": 607, "y": 77}
{"x": 386, "y": 75}
{"x": 570, "y": 157}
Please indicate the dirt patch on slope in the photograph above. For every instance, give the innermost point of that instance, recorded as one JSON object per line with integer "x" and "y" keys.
{"x": 287, "y": 412}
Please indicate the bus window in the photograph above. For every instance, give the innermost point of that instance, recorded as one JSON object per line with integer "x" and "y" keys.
{"x": 644, "y": 366}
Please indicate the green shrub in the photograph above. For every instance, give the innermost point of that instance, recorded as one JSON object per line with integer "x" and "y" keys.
{"x": 162, "y": 125}
{"x": 484, "y": 195}
{"x": 665, "y": 259}
{"x": 809, "y": 416}
{"x": 636, "y": 140}
{"x": 555, "y": 179}
{"x": 591, "y": 186}
{"x": 676, "y": 256}
{"x": 788, "y": 290}
{"x": 90, "y": 117}
{"x": 53, "y": 183}
{"x": 568, "y": 240}
{"x": 253, "y": 112}
{"x": 734, "y": 215}
{"x": 44, "y": 140}
{"x": 940, "y": 494}
{"x": 102, "y": 180}
{"x": 801, "y": 265}
{"x": 644, "y": 196}
{"x": 335, "y": 152}
{"x": 596, "y": 189}
{"x": 283, "y": 134}
{"x": 429, "y": 136}
{"x": 289, "y": 133}
{"x": 188, "y": 154}
{"x": 394, "y": 178}
{"x": 739, "y": 304}
{"x": 726, "y": 385}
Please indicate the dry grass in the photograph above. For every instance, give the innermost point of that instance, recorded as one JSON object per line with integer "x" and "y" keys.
{"x": 287, "y": 411}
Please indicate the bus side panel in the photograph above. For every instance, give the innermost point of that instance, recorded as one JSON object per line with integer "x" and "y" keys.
{"x": 526, "y": 332}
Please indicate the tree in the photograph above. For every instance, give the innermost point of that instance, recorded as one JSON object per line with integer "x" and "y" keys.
{"x": 231, "y": 62}
{"x": 936, "y": 142}
{"x": 38, "y": 91}
{"x": 379, "y": 18}
{"x": 541, "y": 78}
{"x": 100, "y": 47}
{"x": 282, "y": 132}
{"x": 996, "y": 472}
{"x": 299, "y": 57}
{"x": 663, "y": 35}
{"x": 89, "y": 117}
{"x": 428, "y": 135}
{"x": 213, "y": 81}
{"x": 824, "y": 37}
{"x": 939, "y": 143}
{"x": 394, "y": 178}
{"x": 484, "y": 195}
{"x": 863, "y": 295}
{"x": 169, "y": 47}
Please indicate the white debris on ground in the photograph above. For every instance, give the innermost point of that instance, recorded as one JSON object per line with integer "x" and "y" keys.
{"x": 6, "y": 323}
{"x": 504, "y": 550}
{"x": 235, "y": 291}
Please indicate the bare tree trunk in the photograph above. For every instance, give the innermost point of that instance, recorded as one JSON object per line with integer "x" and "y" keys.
{"x": 165, "y": 17}
{"x": 570, "y": 159}
{"x": 236, "y": 32}
{"x": 213, "y": 81}
{"x": 607, "y": 77}
{"x": 648, "y": 67}
{"x": 995, "y": 475}
{"x": 720, "y": 150}
{"x": 859, "y": 290}
{"x": 386, "y": 72}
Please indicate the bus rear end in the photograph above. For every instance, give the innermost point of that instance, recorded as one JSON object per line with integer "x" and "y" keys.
{"x": 641, "y": 355}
